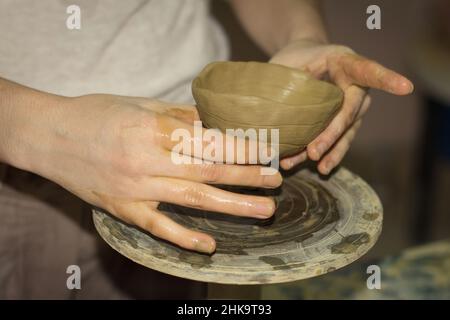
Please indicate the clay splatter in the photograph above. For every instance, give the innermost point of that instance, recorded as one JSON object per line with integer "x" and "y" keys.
{"x": 350, "y": 243}
{"x": 119, "y": 232}
{"x": 276, "y": 263}
{"x": 371, "y": 216}
{"x": 196, "y": 260}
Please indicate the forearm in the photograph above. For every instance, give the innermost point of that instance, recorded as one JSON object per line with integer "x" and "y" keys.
{"x": 275, "y": 23}
{"x": 27, "y": 122}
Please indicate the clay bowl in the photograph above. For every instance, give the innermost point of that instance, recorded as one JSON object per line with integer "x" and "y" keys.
{"x": 232, "y": 95}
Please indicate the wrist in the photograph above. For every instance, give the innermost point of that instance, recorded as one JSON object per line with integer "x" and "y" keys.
{"x": 319, "y": 37}
{"x": 311, "y": 27}
{"x": 28, "y": 120}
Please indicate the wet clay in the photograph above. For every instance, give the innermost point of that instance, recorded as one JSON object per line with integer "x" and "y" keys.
{"x": 232, "y": 95}
{"x": 319, "y": 226}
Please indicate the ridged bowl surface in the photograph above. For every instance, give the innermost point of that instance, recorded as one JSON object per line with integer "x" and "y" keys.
{"x": 232, "y": 95}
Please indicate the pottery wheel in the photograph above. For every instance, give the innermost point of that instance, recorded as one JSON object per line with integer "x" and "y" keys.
{"x": 319, "y": 226}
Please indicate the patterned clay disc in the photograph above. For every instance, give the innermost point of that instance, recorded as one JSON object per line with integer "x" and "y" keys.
{"x": 320, "y": 225}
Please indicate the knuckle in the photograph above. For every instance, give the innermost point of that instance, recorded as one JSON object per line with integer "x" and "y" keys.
{"x": 146, "y": 120}
{"x": 337, "y": 131}
{"x": 362, "y": 63}
{"x": 211, "y": 173}
{"x": 367, "y": 64}
{"x": 118, "y": 210}
{"x": 127, "y": 164}
{"x": 194, "y": 197}
{"x": 127, "y": 158}
{"x": 378, "y": 72}
{"x": 150, "y": 225}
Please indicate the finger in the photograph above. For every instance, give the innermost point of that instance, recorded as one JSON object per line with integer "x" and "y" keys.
{"x": 290, "y": 162}
{"x": 205, "y": 197}
{"x": 337, "y": 153}
{"x": 209, "y": 144}
{"x": 364, "y": 107}
{"x": 353, "y": 99}
{"x": 148, "y": 218}
{"x": 227, "y": 174}
{"x": 368, "y": 73}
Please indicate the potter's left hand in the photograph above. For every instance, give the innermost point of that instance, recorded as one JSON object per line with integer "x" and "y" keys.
{"x": 354, "y": 74}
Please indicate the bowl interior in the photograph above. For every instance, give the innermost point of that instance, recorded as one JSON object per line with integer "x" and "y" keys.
{"x": 265, "y": 80}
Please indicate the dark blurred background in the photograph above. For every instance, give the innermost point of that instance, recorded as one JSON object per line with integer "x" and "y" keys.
{"x": 402, "y": 149}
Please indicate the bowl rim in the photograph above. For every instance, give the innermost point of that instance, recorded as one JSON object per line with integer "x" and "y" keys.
{"x": 324, "y": 103}
{"x": 336, "y": 91}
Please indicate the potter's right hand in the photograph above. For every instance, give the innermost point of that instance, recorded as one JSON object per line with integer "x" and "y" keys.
{"x": 115, "y": 152}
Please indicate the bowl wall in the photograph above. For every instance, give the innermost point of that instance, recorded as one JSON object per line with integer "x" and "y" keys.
{"x": 232, "y": 95}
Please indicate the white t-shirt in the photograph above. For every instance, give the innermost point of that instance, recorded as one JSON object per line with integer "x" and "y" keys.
{"x": 150, "y": 48}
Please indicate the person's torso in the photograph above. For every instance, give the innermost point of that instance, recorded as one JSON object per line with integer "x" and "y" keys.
{"x": 151, "y": 48}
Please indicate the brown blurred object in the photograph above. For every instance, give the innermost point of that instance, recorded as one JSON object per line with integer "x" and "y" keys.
{"x": 442, "y": 14}
{"x": 429, "y": 58}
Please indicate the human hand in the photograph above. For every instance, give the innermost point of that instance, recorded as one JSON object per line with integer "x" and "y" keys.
{"x": 115, "y": 152}
{"x": 354, "y": 74}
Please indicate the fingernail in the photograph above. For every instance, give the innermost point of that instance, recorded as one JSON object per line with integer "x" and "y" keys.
{"x": 265, "y": 210}
{"x": 408, "y": 85}
{"x": 204, "y": 246}
{"x": 272, "y": 181}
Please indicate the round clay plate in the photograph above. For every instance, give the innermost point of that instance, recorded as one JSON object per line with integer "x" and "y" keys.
{"x": 320, "y": 225}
